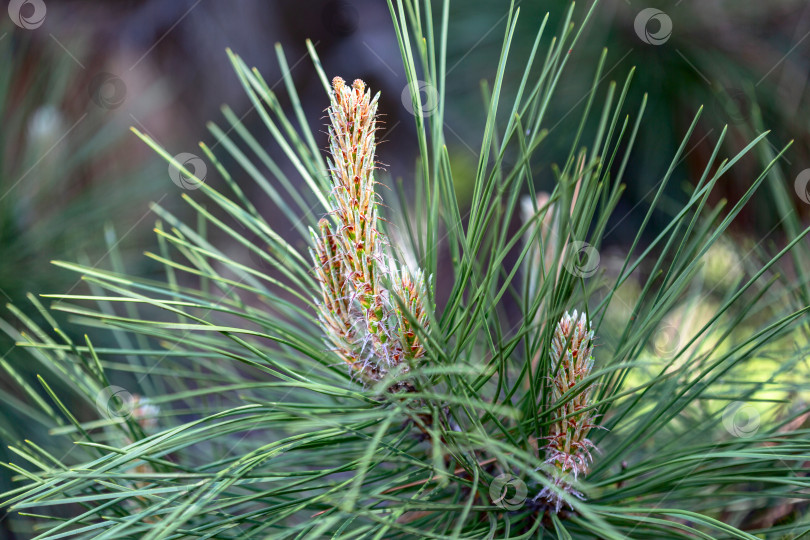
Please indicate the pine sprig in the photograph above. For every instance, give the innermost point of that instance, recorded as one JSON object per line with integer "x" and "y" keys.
{"x": 360, "y": 316}
{"x": 255, "y": 429}
{"x": 568, "y": 449}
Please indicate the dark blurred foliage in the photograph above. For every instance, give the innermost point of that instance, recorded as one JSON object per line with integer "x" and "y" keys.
{"x": 71, "y": 88}
{"x": 725, "y": 55}
{"x": 63, "y": 165}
